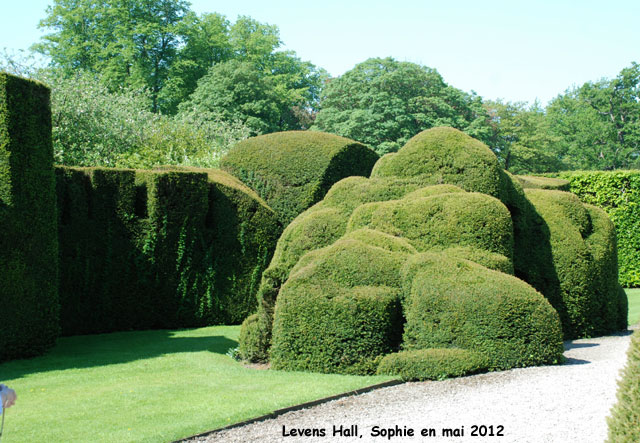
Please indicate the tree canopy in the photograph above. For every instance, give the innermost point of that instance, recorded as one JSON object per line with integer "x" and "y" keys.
{"x": 384, "y": 102}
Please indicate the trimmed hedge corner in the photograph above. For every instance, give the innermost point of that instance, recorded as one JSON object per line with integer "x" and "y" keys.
{"x": 170, "y": 248}
{"x": 432, "y": 364}
{"x": 293, "y": 170}
{"x": 624, "y": 422}
{"x": 28, "y": 243}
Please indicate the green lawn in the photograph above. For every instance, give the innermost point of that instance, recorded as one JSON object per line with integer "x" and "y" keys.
{"x": 150, "y": 386}
{"x": 634, "y": 305}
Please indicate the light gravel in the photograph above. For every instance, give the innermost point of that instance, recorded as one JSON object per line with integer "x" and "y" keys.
{"x": 567, "y": 403}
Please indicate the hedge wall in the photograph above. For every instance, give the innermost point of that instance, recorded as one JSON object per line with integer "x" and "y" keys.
{"x": 158, "y": 249}
{"x": 28, "y": 243}
{"x": 293, "y": 170}
{"x": 618, "y": 193}
{"x": 624, "y": 422}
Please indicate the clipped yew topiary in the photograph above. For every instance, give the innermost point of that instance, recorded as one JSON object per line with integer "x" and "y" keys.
{"x": 169, "y": 248}
{"x": 293, "y": 170}
{"x": 482, "y": 268}
{"x": 29, "y": 306}
{"x": 432, "y": 364}
{"x": 624, "y": 422}
{"x": 450, "y": 302}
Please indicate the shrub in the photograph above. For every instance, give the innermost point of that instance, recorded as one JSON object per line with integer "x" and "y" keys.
{"x": 167, "y": 248}
{"x": 293, "y": 170}
{"x": 530, "y": 181}
{"x": 451, "y": 302}
{"x": 583, "y": 253}
{"x": 339, "y": 311}
{"x": 625, "y": 415}
{"x": 618, "y": 193}
{"x": 432, "y": 364}
{"x": 28, "y": 243}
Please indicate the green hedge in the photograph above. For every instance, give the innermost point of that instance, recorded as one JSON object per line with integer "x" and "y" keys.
{"x": 432, "y": 364}
{"x": 28, "y": 243}
{"x": 293, "y": 170}
{"x": 480, "y": 265}
{"x": 624, "y": 422}
{"x": 618, "y": 193}
{"x": 158, "y": 249}
{"x": 451, "y": 302}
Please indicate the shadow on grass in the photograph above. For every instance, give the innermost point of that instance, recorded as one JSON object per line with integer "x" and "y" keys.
{"x": 108, "y": 349}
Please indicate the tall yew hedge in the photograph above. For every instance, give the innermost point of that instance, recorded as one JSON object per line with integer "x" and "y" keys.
{"x": 618, "y": 193}
{"x": 28, "y": 242}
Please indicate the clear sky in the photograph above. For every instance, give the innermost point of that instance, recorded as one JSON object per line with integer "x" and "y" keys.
{"x": 509, "y": 49}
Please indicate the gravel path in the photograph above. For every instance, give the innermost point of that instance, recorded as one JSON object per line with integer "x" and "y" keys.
{"x": 565, "y": 403}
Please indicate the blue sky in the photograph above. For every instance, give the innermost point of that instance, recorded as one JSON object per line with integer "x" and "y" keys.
{"x": 515, "y": 50}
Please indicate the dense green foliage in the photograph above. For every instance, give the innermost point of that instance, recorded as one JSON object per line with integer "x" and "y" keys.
{"x": 530, "y": 181}
{"x": 293, "y": 170}
{"x": 384, "y": 102}
{"x": 162, "y": 46}
{"x": 158, "y": 248}
{"x": 432, "y": 364}
{"x": 465, "y": 266}
{"x": 456, "y": 303}
{"x": 28, "y": 242}
{"x": 618, "y": 193}
{"x": 624, "y": 422}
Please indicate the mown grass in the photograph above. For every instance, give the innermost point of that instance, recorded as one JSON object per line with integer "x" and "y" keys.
{"x": 634, "y": 305}
{"x": 150, "y": 386}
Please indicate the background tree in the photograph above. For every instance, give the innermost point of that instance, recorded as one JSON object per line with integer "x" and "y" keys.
{"x": 521, "y": 137}
{"x": 383, "y": 103}
{"x": 598, "y": 124}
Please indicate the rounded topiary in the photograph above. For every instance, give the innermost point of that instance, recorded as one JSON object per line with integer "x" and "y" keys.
{"x": 432, "y": 364}
{"x": 445, "y": 155}
{"x": 533, "y": 182}
{"x": 339, "y": 311}
{"x": 451, "y": 302}
{"x": 582, "y": 245}
{"x": 293, "y": 170}
{"x": 250, "y": 345}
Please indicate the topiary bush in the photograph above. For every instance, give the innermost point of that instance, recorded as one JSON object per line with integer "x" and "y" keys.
{"x": 583, "y": 251}
{"x": 28, "y": 243}
{"x": 451, "y": 302}
{"x": 293, "y": 170}
{"x": 432, "y": 364}
{"x": 624, "y": 422}
{"x": 533, "y": 182}
{"x": 169, "y": 248}
{"x": 474, "y": 265}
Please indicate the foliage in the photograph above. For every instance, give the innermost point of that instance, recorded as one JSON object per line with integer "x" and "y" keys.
{"x": 293, "y": 170}
{"x": 182, "y": 373}
{"x": 598, "y": 123}
{"x": 190, "y": 244}
{"x": 28, "y": 242}
{"x": 531, "y": 181}
{"x": 625, "y": 415}
{"x": 583, "y": 249}
{"x": 432, "y": 364}
{"x": 521, "y": 137}
{"x": 95, "y": 127}
{"x": 383, "y": 103}
{"x": 129, "y": 42}
{"x": 469, "y": 260}
{"x": 618, "y": 193}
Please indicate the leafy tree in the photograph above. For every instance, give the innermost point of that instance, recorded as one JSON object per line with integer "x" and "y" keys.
{"x": 268, "y": 98}
{"x": 383, "y": 103}
{"x": 599, "y": 122}
{"x": 130, "y": 42}
{"x": 521, "y": 137}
